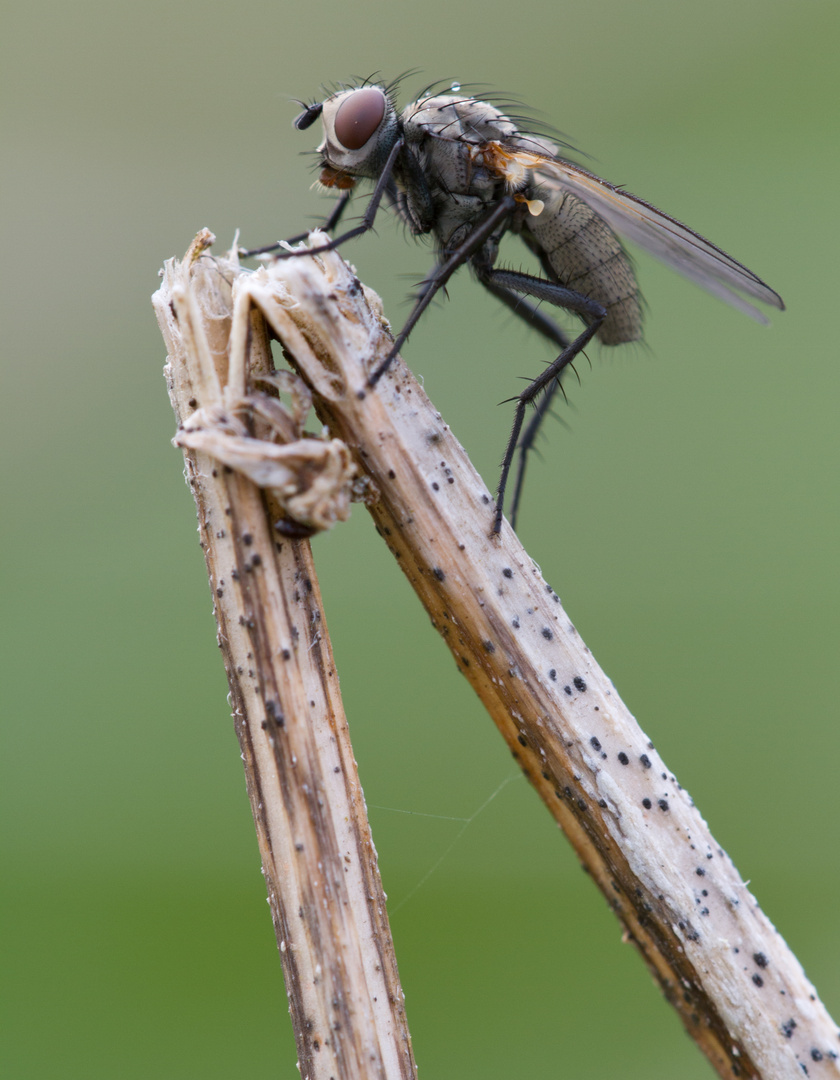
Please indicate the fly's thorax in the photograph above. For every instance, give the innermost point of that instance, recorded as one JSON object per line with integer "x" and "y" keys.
{"x": 460, "y": 119}
{"x": 360, "y": 129}
{"x": 446, "y": 134}
{"x": 582, "y": 253}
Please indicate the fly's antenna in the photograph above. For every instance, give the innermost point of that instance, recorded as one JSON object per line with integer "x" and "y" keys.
{"x": 309, "y": 115}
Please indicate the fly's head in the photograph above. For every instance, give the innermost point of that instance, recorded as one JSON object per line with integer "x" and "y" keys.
{"x": 360, "y": 129}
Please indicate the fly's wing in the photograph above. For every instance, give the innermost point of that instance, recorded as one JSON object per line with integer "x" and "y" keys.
{"x": 668, "y": 239}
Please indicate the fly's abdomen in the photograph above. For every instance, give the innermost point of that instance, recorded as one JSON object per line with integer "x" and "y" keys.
{"x": 584, "y": 254}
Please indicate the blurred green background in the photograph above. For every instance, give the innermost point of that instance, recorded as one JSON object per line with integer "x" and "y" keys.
{"x": 687, "y": 516}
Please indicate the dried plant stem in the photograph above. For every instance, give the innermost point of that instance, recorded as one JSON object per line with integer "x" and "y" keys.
{"x": 740, "y": 992}
{"x": 318, "y": 857}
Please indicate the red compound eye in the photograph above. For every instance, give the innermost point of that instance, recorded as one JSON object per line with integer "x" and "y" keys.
{"x": 359, "y": 116}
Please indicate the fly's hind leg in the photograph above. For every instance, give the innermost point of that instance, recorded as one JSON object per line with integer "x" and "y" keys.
{"x": 549, "y": 329}
{"x": 513, "y": 282}
{"x": 528, "y": 312}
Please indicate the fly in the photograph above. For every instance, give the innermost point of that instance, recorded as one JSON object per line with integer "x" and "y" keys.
{"x": 461, "y": 170}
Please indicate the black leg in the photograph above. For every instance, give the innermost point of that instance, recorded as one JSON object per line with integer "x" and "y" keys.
{"x": 540, "y": 322}
{"x": 553, "y": 293}
{"x": 529, "y": 313}
{"x": 527, "y": 440}
{"x": 331, "y": 222}
{"x": 335, "y": 216}
{"x": 443, "y": 272}
{"x": 384, "y": 185}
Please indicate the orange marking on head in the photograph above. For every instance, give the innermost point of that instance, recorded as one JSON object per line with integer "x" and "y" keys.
{"x": 334, "y": 178}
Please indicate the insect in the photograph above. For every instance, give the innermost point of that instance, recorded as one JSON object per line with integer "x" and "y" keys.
{"x": 461, "y": 170}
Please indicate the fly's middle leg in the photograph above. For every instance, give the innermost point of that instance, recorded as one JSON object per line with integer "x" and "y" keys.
{"x": 512, "y": 281}
{"x": 441, "y": 274}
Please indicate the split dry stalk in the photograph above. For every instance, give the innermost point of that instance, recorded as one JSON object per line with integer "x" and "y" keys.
{"x": 318, "y": 858}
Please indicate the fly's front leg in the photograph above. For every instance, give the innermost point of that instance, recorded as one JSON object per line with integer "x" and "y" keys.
{"x": 335, "y": 216}
{"x": 541, "y": 289}
{"x": 384, "y": 184}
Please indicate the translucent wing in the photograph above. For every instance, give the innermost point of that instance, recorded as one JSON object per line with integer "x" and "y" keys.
{"x": 663, "y": 236}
